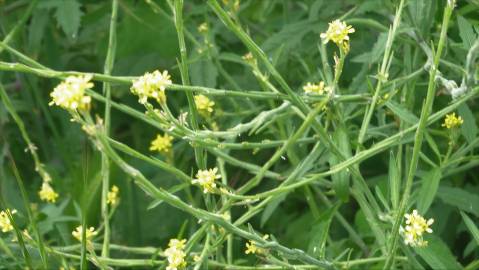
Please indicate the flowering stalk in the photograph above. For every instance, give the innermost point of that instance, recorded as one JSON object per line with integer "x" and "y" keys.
{"x": 419, "y": 136}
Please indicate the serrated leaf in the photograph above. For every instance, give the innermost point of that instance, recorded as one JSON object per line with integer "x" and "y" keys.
{"x": 402, "y": 112}
{"x": 68, "y": 15}
{"x": 469, "y": 127}
{"x": 430, "y": 184}
{"x": 466, "y": 32}
{"x": 464, "y": 200}
{"x": 437, "y": 254}
{"x": 471, "y": 226}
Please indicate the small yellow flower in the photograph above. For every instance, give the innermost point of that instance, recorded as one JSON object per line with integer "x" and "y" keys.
{"x": 203, "y": 28}
{"x": 415, "y": 227}
{"x": 161, "y": 143}
{"x": 47, "y": 193}
{"x": 175, "y": 254}
{"x": 90, "y": 233}
{"x": 452, "y": 121}
{"x": 337, "y": 32}
{"x": 249, "y": 58}
{"x": 314, "y": 88}
{"x": 70, "y": 94}
{"x": 252, "y": 248}
{"x": 151, "y": 85}
{"x": 204, "y": 105}
{"x": 5, "y": 223}
{"x": 112, "y": 196}
{"x": 206, "y": 179}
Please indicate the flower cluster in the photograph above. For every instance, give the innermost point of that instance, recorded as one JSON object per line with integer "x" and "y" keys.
{"x": 249, "y": 58}
{"x": 314, "y": 88}
{"x": 112, "y": 195}
{"x": 70, "y": 94}
{"x": 151, "y": 85}
{"x": 452, "y": 121}
{"x": 161, "y": 143}
{"x": 5, "y": 224}
{"x": 204, "y": 105}
{"x": 175, "y": 254}
{"x": 415, "y": 227}
{"x": 47, "y": 193}
{"x": 203, "y": 28}
{"x": 252, "y": 248}
{"x": 206, "y": 179}
{"x": 90, "y": 233}
{"x": 338, "y": 33}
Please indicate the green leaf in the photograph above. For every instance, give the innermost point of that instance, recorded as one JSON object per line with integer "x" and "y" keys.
{"x": 394, "y": 180}
{"x": 430, "y": 183}
{"x": 460, "y": 198}
{"x": 269, "y": 209}
{"x": 402, "y": 112}
{"x": 437, "y": 255}
{"x": 341, "y": 179}
{"x": 375, "y": 54}
{"x": 204, "y": 73}
{"x": 319, "y": 233}
{"x": 466, "y": 32}
{"x": 469, "y": 127}
{"x": 68, "y": 15}
{"x": 471, "y": 226}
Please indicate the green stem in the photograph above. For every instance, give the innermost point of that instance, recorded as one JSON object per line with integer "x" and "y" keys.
{"x": 105, "y": 163}
{"x": 419, "y": 136}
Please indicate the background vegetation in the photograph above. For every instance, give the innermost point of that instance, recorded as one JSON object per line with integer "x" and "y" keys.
{"x": 329, "y": 185}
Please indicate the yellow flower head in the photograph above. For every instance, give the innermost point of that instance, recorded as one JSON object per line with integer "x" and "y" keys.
{"x": 452, "y": 121}
{"x": 252, "y": 248}
{"x": 161, "y": 143}
{"x": 5, "y": 224}
{"x": 337, "y": 32}
{"x": 415, "y": 227}
{"x": 249, "y": 58}
{"x": 90, "y": 233}
{"x": 314, "y": 88}
{"x": 203, "y": 28}
{"x": 151, "y": 85}
{"x": 175, "y": 254}
{"x": 70, "y": 94}
{"x": 206, "y": 179}
{"x": 47, "y": 193}
{"x": 112, "y": 195}
{"x": 204, "y": 105}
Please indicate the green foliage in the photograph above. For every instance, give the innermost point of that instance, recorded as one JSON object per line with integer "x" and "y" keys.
{"x": 327, "y": 177}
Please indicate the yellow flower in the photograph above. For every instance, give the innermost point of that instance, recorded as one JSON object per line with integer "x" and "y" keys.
{"x": 314, "y": 88}
{"x": 5, "y": 223}
{"x": 249, "y": 58}
{"x": 415, "y": 227}
{"x": 203, "y": 28}
{"x": 70, "y": 94}
{"x": 112, "y": 196}
{"x": 252, "y": 248}
{"x": 204, "y": 105}
{"x": 452, "y": 121}
{"x": 151, "y": 85}
{"x": 175, "y": 254}
{"x": 337, "y": 32}
{"x": 206, "y": 179}
{"x": 47, "y": 193}
{"x": 161, "y": 143}
{"x": 90, "y": 233}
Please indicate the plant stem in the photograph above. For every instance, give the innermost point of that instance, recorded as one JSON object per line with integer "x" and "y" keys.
{"x": 418, "y": 138}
